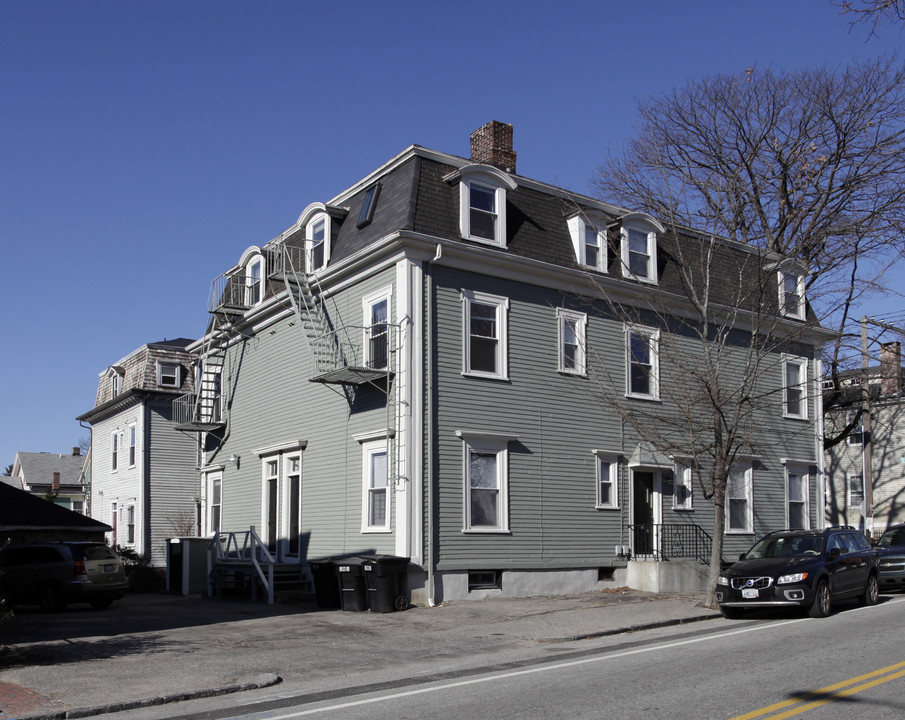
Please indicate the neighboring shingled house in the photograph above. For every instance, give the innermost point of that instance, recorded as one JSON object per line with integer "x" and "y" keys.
{"x": 845, "y": 462}
{"x": 143, "y": 477}
{"x": 53, "y": 476}
{"x": 407, "y": 370}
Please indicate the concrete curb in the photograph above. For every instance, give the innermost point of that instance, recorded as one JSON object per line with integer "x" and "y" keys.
{"x": 633, "y": 628}
{"x": 262, "y": 681}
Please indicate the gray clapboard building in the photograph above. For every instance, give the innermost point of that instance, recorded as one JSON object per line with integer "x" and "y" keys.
{"x": 144, "y": 481}
{"x": 418, "y": 366}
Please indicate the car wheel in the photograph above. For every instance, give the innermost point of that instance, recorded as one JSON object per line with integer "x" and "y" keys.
{"x": 871, "y": 592}
{"x": 731, "y": 613}
{"x": 52, "y": 599}
{"x": 822, "y": 601}
{"x": 99, "y": 603}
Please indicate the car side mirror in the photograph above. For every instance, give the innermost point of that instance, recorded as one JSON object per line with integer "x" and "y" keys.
{"x": 742, "y": 556}
{"x": 834, "y": 553}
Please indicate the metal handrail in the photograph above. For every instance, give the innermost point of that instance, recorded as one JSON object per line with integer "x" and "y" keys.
{"x": 671, "y": 541}
{"x": 252, "y": 550}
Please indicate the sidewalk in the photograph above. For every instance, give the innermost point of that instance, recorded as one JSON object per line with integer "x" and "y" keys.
{"x": 150, "y": 649}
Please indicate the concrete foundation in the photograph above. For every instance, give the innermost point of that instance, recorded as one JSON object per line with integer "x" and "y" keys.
{"x": 674, "y": 576}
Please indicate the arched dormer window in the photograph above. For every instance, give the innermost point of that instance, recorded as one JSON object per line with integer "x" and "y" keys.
{"x": 253, "y": 274}
{"x": 318, "y": 233}
{"x": 638, "y": 246}
{"x": 482, "y": 203}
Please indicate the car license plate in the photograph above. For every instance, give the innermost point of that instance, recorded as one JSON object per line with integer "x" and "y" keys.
{"x": 110, "y": 568}
{"x": 749, "y": 593}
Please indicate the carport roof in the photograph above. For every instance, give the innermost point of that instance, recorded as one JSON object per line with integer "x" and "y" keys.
{"x": 20, "y": 510}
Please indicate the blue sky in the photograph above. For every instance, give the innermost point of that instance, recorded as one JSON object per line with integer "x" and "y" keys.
{"x": 145, "y": 145}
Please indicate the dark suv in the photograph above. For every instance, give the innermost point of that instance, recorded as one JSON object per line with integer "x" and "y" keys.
{"x": 805, "y": 568}
{"x": 53, "y": 575}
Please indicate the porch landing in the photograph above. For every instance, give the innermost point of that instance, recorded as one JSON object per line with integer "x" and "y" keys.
{"x": 669, "y": 576}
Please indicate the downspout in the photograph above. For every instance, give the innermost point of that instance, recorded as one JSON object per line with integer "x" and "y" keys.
{"x": 429, "y": 425}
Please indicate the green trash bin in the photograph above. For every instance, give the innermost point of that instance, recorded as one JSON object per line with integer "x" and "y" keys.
{"x": 383, "y": 575}
{"x": 352, "y": 589}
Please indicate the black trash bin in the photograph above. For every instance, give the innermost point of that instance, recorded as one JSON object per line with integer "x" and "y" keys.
{"x": 326, "y": 584}
{"x": 352, "y": 589}
{"x": 382, "y": 575}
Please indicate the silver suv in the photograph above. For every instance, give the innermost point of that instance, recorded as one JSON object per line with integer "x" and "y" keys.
{"x": 53, "y": 575}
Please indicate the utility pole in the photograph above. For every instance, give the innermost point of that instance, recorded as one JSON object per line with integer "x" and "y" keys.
{"x": 867, "y": 474}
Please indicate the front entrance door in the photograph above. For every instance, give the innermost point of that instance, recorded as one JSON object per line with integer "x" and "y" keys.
{"x": 646, "y": 512}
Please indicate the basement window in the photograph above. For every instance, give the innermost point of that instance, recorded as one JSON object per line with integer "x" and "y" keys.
{"x": 485, "y": 580}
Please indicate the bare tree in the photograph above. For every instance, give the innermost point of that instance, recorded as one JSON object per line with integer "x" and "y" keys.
{"x": 873, "y": 12}
{"x": 721, "y": 337}
{"x": 809, "y": 165}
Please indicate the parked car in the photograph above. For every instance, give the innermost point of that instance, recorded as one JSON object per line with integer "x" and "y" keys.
{"x": 891, "y": 549}
{"x": 809, "y": 569}
{"x": 53, "y": 575}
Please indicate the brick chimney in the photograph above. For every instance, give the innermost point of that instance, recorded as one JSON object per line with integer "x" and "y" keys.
{"x": 890, "y": 368}
{"x": 55, "y": 485}
{"x": 491, "y": 144}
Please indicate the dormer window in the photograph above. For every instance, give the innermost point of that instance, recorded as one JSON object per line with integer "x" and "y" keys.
{"x": 482, "y": 204}
{"x": 168, "y": 375}
{"x": 317, "y": 242}
{"x": 254, "y": 281}
{"x": 589, "y": 242}
{"x": 638, "y": 250}
{"x": 117, "y": 382}
{"x": 791, "y": 293}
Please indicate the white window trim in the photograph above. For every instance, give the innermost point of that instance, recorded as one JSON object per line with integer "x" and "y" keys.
{"x": 211, "y": 478}
{"x": 581, "y": 323}
{"x": 799, "y": 312}
{"x": 486, "y": 443}
{"x": 578, "y": 226}
{"x": 286, "y": 490}
{"x": 607, "y": 462}
{"x": 133, "y": 445}
{"x": 177, "y": 374}
{"x": 368, "y": 302}
{"x": 502, "y": 317}
{"x": 803, "y": 364}
{"x": 368, "y": 451}
{"x": 683, "y": 476}
{"x": 802, "y": 472}
{"x": 748, "y": 485}
{"x": 309, "y": 245}
{"x": 848, "y": 491}
{"x": 653, "y": 336}
{"x": 651, "y": 236}
{"x": 256, "y": 260}
{"x": 115, "y": 450}
{"x": 492, "y": 179}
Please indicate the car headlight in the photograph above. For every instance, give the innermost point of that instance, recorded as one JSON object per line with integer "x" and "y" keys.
{"x": 793, "y": 578}
{"x": 722, "y": 580}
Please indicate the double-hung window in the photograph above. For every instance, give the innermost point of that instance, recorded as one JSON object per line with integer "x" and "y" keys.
{"x": 639, "y": 253}
{"x": 791, "y": 293}
{"x": 131, "y": 446}
{"x": 643, "y": 362}
{"x": 607, "y": 480}
{"x": 130, "y": 524}
{"x": 485, "y": 337}
{"x": 376, "y": 502}
{"x": 486, "y": 482}
{"x": 214, "y": 503}
{"x": 797, "y": 491}
{"x": 482, "y": 204}
{"x": 572, "y": 328}
{"x": 588, "y": 242}
{"x": 317, "y": 242}
{"x": 855, "y": 492}
{"x": 168, "y": 375}
{"x": 254, "y": 281}
{"x": 683, "y": 482}
{"x": 795, "y": 378}
{"x": 376, "y": 310}
{"x": 739, "y": 509}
